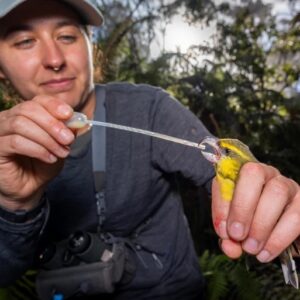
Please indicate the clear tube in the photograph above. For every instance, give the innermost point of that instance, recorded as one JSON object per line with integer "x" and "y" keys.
{"x": 79, "y": 120}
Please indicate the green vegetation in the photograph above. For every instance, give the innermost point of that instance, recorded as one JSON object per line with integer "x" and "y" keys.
{"x": 244, "y": 279}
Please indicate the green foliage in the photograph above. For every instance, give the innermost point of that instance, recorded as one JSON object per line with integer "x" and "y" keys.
{"x": 22, "y": 289}
{"x": 243, "y": 279}
{"x": 3, "y": 294}
{"x": 248, "y": 83}
{"x": 7, "y": 96}
{"x": 227, "y": 279}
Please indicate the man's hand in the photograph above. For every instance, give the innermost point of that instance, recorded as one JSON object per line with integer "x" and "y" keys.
{"x": 263, "y": 217}
{"x": 33, "y": 140}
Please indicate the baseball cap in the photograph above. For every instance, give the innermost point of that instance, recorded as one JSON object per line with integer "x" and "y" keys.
{"x": 84, "y": 8}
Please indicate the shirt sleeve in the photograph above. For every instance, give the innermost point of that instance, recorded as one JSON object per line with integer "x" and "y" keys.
{"x": 18, "y": 241}
{"x": 172, "y": 118}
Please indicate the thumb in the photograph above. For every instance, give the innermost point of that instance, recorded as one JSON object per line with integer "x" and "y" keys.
{"x": 231, "y": 248}
{"x": 220, "y": 211}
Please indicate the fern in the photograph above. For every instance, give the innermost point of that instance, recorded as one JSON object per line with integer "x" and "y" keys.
{"x": 272, "y": 283}
{"x": 22, "y": 289}
{"x": 243, "y": 279}
{"x": 3, "y": 294}
{"x": 217, "y": 286}
{"x": 245, "y": 283}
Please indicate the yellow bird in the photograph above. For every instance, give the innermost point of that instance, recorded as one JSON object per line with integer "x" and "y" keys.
{"x": 228, "y": 156}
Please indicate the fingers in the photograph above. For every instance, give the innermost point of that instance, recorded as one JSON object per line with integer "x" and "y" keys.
{"x": 238, "y": 213}
{"x": 277, "y": 194}
{"x": 38, "y": 123}
{"x": 20, "y": 131}
{"x": 46, "y": 113}
{"x": 263, "y": 218}
{"x": 252, "y": 180}
{"x": 261, "y": 213}
{"x": 284, "y": 233}
{"x": 17, "y": 144}
{"x": 55, "y": 107}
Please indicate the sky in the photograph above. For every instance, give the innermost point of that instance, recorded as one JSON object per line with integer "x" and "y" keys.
{"x": 180, "y": 35}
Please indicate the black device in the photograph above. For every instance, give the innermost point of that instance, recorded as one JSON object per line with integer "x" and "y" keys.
{"x": 83, "y": 264}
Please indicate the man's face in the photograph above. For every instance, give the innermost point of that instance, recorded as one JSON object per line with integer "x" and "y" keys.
{"x": 44, "y": 50}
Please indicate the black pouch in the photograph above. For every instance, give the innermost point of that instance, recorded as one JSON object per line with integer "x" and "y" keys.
{"x": 82, "y": 278}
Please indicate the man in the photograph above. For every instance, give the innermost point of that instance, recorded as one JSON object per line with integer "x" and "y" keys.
{"x": 45, "y": 54}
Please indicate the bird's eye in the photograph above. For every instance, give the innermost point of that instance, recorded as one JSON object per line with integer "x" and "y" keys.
{"x": 227, "y": 151}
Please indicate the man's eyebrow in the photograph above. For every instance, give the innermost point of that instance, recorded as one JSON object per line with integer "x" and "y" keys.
{"x": 24, "y": 27}
{"x": 13, "y": 29}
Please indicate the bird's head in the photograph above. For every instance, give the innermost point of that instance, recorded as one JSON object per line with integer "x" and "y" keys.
{"x": 217, "y": 149}
{"x": 212, "y": 150}
{"x": 228, "y": 156}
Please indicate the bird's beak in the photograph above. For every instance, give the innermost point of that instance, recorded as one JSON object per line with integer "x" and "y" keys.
{"x": 212, "y": 151}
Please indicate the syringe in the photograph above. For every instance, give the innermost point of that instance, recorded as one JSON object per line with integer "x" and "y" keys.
{"x": 79, "y": 120}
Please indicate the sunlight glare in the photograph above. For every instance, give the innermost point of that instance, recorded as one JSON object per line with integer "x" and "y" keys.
{"x": 180, "y": 35}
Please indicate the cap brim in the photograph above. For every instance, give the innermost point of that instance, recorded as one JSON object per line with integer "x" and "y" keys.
{"x": 7, "y": 6}
{"x": 90, "y": 13}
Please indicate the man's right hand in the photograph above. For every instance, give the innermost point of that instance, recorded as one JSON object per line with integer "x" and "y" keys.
{"x": 33, "y": 143}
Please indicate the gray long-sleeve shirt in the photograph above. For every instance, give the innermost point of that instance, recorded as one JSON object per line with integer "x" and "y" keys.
{"x": 141, "y": 185}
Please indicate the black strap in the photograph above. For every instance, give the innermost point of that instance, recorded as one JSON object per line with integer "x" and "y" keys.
{"x": 99, "y": 141}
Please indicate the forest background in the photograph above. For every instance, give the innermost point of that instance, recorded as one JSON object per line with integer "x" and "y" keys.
{"x": 242, "y": 82}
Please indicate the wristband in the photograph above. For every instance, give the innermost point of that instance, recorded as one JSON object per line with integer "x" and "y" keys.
{"x": 22, "y": 215}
